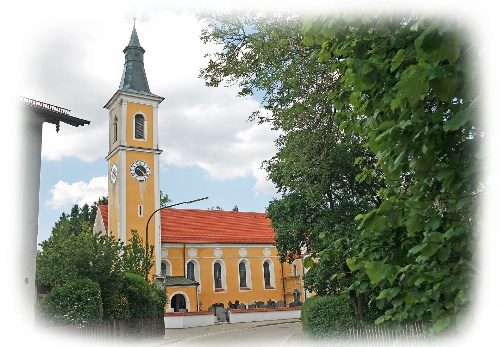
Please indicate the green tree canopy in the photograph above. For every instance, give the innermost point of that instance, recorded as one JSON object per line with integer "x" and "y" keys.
{"x": 409, "y": 86}
{"x": 394, "y": 94}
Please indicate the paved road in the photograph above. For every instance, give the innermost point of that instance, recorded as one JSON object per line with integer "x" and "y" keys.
{"x": 275, "y": 333}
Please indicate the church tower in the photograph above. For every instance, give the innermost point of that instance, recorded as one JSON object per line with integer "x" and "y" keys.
{"x": 133, "y": 157}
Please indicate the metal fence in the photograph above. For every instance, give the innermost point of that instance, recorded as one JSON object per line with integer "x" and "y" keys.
{"x": 409, "y": 335}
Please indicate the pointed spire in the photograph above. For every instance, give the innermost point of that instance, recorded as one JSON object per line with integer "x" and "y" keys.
{"x": 134, "y": 76}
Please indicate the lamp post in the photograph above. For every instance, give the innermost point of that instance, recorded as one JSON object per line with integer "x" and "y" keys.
{"x": 147, "y": 225}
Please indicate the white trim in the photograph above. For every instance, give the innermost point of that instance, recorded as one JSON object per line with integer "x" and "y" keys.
{"x": 168, "y": 267}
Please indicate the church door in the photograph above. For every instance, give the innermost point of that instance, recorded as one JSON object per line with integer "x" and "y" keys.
{"x": 178, "y": 302}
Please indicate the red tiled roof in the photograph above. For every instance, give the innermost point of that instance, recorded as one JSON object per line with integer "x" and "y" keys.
{"x": 104, "y": 214}
{"x": 207, "y": 226}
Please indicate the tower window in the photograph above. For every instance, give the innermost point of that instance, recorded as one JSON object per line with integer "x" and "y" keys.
{"x": 139, "y": 125}
{"x": 140, "y": 210}
{"x": 115, "y": 130}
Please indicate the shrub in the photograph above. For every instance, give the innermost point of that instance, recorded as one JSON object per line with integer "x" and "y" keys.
{"x": 327, "y": 317}
{"x": 74, "y": 302}
{"x": 139, "y": 299}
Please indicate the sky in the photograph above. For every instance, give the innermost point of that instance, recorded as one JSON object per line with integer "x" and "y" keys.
{"x": 69, "y": 54}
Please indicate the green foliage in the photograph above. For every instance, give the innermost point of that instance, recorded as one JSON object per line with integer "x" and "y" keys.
{"x": 80, "y": 256}
{"x": 327, "y": 317}
{"x": 139, "y": 299}
{"x": 74, "y": 302}
{"x": 164, "y": 199}
{"x": 408, "y": 87}
{"x": 135, "y": 258}
{"x": 378, "y": 128}
{"x": 68, "y": 256}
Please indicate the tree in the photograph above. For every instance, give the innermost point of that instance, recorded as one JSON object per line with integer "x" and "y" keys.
{"x": 135, "y": 258}
{"x": 79, "y": 254}
{"x": 408, "y": 86}
{"x": 82, "y": 256}
{"x": 164, "y": 199}
{"x": 314, "y": 167}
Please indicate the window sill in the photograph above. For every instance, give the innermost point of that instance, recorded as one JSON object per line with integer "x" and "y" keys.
{"x": 219, "y": 290}
{"x": 269, "y": 287}
{"x": 245, "y": 289}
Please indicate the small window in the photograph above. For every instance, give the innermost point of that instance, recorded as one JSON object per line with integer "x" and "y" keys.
{"x": 139, "y": 127}
{"x": 294, "y": 270}
{"x": 140, "y": 210}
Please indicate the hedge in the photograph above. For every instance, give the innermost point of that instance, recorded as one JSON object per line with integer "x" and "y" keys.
{"x": 327, "y": 317}
{"x": 74, "y": 302}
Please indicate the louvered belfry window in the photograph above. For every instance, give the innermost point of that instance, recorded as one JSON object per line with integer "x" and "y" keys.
{"x": 139, "y": 127}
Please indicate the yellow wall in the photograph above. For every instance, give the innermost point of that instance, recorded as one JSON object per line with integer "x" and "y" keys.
{"x": 179, "y": 255}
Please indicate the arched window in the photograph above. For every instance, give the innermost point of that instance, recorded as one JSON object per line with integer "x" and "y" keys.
{"x": 218, "y": 275}
{"x": 166, "y": 269}
{"x": 267, "y": 275}
{"x": 139, "y": 125}
{"x": 294, "y": 270}
{"x": 243, "y": 274}
{"x": 269, "y": 280}
{"x": 115, "y": 129}
{"x": 190, "y": 271}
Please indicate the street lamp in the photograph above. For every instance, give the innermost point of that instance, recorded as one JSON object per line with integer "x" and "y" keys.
{"x": 147, "y": 225}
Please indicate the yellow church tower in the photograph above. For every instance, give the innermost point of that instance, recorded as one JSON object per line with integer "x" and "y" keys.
{"x": 133, "y": 157}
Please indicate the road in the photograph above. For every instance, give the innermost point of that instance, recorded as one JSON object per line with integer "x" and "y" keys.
{"x": 276, "y": 333}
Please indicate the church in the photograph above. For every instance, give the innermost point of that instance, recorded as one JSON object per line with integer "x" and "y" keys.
{"x": 205, "y": 258}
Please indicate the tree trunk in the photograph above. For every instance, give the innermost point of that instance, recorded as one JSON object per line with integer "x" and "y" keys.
{"x": 357, "y": 304}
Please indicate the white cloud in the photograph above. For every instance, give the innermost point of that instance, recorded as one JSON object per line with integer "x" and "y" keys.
{"x": 80, "y": 193}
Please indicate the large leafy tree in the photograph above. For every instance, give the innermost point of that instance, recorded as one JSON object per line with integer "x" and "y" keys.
{"x": 409, "y": 86}
{"x": 314, "y": 167}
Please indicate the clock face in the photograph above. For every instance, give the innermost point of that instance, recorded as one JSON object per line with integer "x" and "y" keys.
{"x": 140, "y": 170}
{"x": 114, "y": 173}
